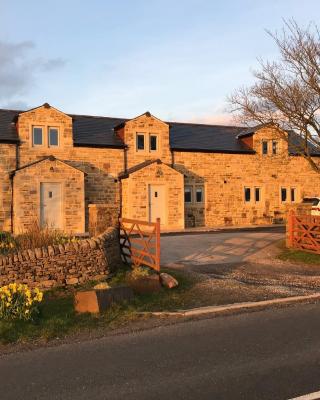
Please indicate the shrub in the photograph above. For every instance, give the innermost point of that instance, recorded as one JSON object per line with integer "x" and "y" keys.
{"x": 17, "y": 301}
{"x": 138, "y": 273}
{"x": 34, "y": 237}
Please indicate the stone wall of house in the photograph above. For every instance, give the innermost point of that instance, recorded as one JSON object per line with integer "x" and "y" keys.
{"x": 136, "y": 197}
{"x": 100, "y": 165}
{"x": 224, "y": 177}
{"x": 63, "y": 265}
{"x": 7, "y": 163}
{"x": 146, "y": 124}
{"x": 102, "y": 216}
{"x": 26, "y": 195}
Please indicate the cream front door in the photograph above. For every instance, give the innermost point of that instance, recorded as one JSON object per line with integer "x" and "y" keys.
{"x": 50, "y": 205}
{"x": 157, "y": 203}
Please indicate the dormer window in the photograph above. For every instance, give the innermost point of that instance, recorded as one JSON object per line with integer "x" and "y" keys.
{"x": 140, "y": 141}
{"x": 53, "y": 137}
{"x": 274, "y": 147}
{"x": 153, "y": 142}
{"x": 37, "y": 135}
{"x": 264, "y": 147}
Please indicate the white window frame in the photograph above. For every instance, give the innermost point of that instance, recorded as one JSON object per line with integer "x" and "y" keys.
{"x": 260, "y": 195}
{"x": 191, "y": 194}
{"x": 198, "y": 187}
{"x": 157, "y": 142}
{"x": 42, "y": 136}
{"x": 144, "y": 142}
{"x": 58, "y": 131}
{"x": 262, "y": 146}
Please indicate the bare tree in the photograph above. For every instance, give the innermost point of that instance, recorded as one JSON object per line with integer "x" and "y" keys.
{"x": 287, "y": 92}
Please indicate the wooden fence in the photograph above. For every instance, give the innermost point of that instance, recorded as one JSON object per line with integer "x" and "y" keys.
{"x": 303, "y": 232}
{"x": 140, "y": 242}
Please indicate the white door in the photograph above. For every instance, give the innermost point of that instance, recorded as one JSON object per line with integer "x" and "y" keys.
{"x": 157, "y": 203}
{"x": 50, "y": 205}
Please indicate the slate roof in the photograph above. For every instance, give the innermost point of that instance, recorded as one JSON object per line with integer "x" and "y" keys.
{"x": 8, "y": 132}
{"x": 92, "y": 131}
{"x": 200, "y": 137}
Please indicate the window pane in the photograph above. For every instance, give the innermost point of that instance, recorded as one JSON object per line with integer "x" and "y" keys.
{"x": 283, "y": 194}
{"x": 140, "y": 142}
{"x": 53, "y": 137}
{"x": 274, "y": 147}
{"x": 247, "y": 194}
{"x": 153, "y": 142}
{"x": 187, "y": 195}
{"x": 37, "y": 136}
{"x": 257, "y": 194}
{"x": 199, "y": 195}
{"x": 293, "y": 194}
{"x": 264, "y": 147}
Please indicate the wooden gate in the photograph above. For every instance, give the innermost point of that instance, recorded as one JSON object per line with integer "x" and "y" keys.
{"x": 140, "y": 242}
{"x": 303, "y": 232}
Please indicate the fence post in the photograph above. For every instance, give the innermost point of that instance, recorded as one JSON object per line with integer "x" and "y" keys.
{"x": 158, "y": 244}
{"x": 290, "y": 226}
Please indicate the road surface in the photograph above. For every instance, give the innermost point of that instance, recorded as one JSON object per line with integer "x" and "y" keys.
{"x": 273, "y": 354}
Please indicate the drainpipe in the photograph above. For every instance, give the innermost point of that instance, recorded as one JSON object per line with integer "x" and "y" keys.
{"x": 11, "y": 205}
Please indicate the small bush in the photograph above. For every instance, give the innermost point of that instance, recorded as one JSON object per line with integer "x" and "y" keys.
{"x": 34, "y": 237}
{"x": 17, "y": 301}
{"x": 138, "y": 273}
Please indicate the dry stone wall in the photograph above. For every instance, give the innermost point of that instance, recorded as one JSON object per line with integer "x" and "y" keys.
{"x": 63, "y": 265}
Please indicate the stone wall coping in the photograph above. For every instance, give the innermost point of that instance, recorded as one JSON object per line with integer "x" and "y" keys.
{"x": 52, "y": 250}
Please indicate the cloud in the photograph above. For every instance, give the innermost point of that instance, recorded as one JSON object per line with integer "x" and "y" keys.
{"x": 19, "y": 68}
{"x": 215, "y": 119}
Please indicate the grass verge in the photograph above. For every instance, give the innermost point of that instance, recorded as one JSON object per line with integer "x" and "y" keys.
{"x": 298, "y": 256}
{"x": 58, "y": 319}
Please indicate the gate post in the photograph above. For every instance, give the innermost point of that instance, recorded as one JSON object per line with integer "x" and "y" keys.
{"x": 290, "y": 227}
{"x": 158, "y": 244}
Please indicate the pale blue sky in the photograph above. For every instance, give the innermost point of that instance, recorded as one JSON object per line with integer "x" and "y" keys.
{"x": 178, "y": 59}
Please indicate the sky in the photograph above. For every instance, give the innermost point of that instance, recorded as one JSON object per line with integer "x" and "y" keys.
{"x": 179, "y": 59}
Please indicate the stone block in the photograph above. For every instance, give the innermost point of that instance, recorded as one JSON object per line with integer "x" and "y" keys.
{"x": 94, "y": 301}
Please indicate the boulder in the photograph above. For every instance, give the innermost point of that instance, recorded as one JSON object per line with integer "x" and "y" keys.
{"x": 168, "y": 281}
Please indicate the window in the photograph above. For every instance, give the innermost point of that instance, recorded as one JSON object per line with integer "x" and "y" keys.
{"x": 293, "y": 195}
{"x": 283, "y": 195}
{"x": 153, "y": 142}
{"x": 257, "y": 194}
{"x": 37, "y": 139}
{"x": 274, "y": 147}
{"x": 247, "y": 194}
{"x": 53, "y": 137}
{"x": 140, "y": 141}
{"x": 199, "y": 195}
{"x": 188, "y": 194}
{"x": 264, "y": 147}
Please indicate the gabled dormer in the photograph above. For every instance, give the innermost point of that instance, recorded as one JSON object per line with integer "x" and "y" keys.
{"x": 44, "y": 130}
{"x": 266, "y": 140}
{"x": 146, "y": 138}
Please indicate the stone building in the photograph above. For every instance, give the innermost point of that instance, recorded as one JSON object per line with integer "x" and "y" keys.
{"x": 72, "y": 171}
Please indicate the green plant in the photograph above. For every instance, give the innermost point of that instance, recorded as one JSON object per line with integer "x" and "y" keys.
{"x": 138, "y": 273}
{"x": 17, "y": 301}
{"x": 35, "y": 236}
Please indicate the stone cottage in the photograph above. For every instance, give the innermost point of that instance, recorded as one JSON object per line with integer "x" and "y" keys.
{"x": 71, "y": 171}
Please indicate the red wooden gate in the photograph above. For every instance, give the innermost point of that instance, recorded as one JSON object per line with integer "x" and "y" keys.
{"x": 303, "y": 232}
{"x": 140, "y": 242}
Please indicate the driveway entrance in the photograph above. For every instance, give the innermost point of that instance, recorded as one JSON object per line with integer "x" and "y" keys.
{"x": 216, "y": 248}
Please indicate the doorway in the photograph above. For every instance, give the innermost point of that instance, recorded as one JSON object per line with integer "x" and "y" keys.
{"x": 157, "y": 203}
{"x": 50, "y": 205}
